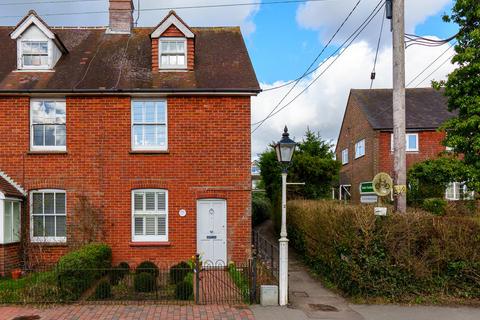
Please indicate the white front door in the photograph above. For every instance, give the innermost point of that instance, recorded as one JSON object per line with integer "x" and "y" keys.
{"x": 212, "y": 231}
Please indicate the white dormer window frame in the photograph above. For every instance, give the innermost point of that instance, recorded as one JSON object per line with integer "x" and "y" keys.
{"x": 169, "y": 51}
{"x": 21, "y": 55}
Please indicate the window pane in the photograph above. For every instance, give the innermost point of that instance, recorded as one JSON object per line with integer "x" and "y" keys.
{"x": 38, "y": 135}
{"x": 61, "y": 226}
{"x": 48, "y": 203}
{"x": 49, "y": 226}
{"x": 161, "y": 137}
{"x": 37, "y": 203}
{"x": 412, "y": 142}
{"x": 138, "y": 135}
{"x": 49, "y": 111}
{"x": 181, "y": 60}
{"x": 160, "y": 112}
{"x": 150, "y": 112}
{"x": 138, "y": 226}
{"x": 61, "y": 135}
{"x": 27, "y": 60}
{"x": 172, "y": 60}
{"x": 180, "y": 46}
{"x": 16, "y": 222}
{"x": 150, "y": 226}
{"x": 38, "y": 112}
{"x": 61, "y": 115}
{"x": 162, "y": 225}
{"x": 150, "y": 201}
{"x": 138, "y": 198}
{"x": 7, "y": 227}
{"x": 164, "y": 60}
{"x": 49, "y": 135}
{"x": 38, "y": 226}
{"x": 161, "y": 201}
{"x": 137, "y": 112}
{"x": 149, "y": 136}
{"x": 60, "y": 203}
{"x": 164, "y": 46}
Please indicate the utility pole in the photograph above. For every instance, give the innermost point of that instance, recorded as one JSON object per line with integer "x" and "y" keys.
{"x": 399, "y": 140}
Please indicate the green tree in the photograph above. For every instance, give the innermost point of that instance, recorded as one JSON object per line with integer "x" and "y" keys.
{"x": 463, "y": 88}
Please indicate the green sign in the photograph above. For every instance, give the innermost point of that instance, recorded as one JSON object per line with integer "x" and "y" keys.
{"x": 366, "y": 187}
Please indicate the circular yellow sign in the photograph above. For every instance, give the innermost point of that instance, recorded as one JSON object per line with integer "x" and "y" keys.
{"x": 382, "y": 184}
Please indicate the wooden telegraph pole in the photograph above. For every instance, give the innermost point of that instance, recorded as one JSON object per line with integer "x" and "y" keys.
{"x": 399, "y": 142}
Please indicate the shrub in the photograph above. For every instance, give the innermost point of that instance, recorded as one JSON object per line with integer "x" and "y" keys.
{"x": 148, "y": 267}
{"x": 184, "y": 290}
{"x": 261, "y": 208}
{"x": 103, "y": 290}
{"x": 78, "y": 270}
{"x": 436, "y": 206}
{"x": 119, "y": 272}
{"x": 179, "y": 271}
{"x": 397, "y": 257}
{"x": 144, "y": 282}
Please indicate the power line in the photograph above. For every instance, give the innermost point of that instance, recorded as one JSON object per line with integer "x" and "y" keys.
{"x": 315, "y": 60}
{"x": 373, "y": 74}
{"x": 427, "y": 67}
{"x": 225, "y": 5}
{"x": 351, "y": 38}
{"x": 436, "y": 69}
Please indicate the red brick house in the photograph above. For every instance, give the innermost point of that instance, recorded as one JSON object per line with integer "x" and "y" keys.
{"x": 364, "y": 145}
{"x": 138, "y": 137}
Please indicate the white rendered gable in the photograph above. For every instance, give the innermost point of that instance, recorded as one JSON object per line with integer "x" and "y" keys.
{"x": 172, "y": 20}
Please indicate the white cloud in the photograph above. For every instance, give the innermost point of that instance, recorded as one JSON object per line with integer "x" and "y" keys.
{"x": 322, "y": 106}
{"x": 327, "y": 16}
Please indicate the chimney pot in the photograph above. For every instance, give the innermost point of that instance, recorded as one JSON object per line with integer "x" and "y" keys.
{"x": 120, "y": 16}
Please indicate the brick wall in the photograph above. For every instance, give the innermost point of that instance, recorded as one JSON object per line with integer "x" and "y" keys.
{"x": 208, "y": 157}
{"x": 355, "y": 127}
{"x": 429, "y": 146}
{"x": 10, "y": 257}
{"x": 173, "y": 31}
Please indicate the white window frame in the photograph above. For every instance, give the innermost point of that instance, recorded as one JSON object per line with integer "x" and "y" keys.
{"x": 149, "y": 148}
{"x": 48, "y": 239}
{"x": 459, "y": 189}
{"x": 407, "y": 149}
{"x": 46, "y": 148}
{"x": 145, "y": 238}
{"x": 172, "y": 67}
{"x": 345, "y": 156}
{"x": 362, "y": 149}
{"x": 2, "y": 220}
{"x": 47, "y": 66}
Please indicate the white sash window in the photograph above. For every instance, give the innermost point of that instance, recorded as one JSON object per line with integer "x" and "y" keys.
{"x": 150, "y": 215}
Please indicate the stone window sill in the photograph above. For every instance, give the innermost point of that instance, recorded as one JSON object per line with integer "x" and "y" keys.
{"x": 150, "y": 244}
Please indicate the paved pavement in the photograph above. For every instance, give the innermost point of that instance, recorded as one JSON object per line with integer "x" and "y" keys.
{"x": 126, "y": 312}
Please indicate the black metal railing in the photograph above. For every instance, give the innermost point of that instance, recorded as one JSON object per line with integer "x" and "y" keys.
{"x": 267, "y": 253}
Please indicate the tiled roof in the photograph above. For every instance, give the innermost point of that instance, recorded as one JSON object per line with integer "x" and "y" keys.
{"x": 9, "y": 189}
{"x": 426, "y": 108}
{"x": 97, "y": 61}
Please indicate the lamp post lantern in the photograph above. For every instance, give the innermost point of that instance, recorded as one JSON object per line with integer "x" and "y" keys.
{"x": 284, "y": 149}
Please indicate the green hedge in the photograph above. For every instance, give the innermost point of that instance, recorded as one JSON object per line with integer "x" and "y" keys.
{"x": 261, "y": 208}
{"x": 397, "y": 257}
{"x": 78, "y": 270}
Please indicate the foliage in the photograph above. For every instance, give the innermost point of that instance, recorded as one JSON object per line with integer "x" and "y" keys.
{"x": 119, "y": 272}
{"x": 144, "y": 282}
{"x": 184, "y": 290}
{"x": 87, "y": 223}
{"x": 179, "y": 271}
{"x": 430, "y": 178}
{"x": 313, "y": 163}
{"x": 148, "y": 267}
{"x": 32, "y": 288}
{"x": 437, "y": 206}
{"x": 240, "y": 281}
{"x": 77, "y": 270}
{"x": 463, "y": 88}
{"x": 103, "y": 290}
{"x": 261, "y": 208}
{"x": 397, "y": 257}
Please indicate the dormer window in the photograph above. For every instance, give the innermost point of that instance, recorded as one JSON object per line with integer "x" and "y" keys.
{"x": 34, "y": 54}
{"x": 173, "y": 53}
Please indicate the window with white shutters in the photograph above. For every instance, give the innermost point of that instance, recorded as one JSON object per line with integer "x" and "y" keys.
{"x": 150, "y": 215}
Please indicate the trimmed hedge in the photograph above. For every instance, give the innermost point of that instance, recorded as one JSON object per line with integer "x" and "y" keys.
{"x": 397, "y": 257}
{"x": 179, "y": 271}
{"x": 144, "y": 282}
{"x": 148, "y": 267}
{"x": 119, "y": 272}
{"x": 77, "y": 271}
{"x": 103, "y": 290}
{"x": 184, "y": 290}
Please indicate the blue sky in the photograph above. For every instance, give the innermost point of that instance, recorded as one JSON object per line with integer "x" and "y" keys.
{"x": 282, "y": 41}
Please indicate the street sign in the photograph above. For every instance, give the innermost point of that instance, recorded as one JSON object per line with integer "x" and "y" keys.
{"x": 368, "y": 199}
{"x": 382, "y": 184}
{"x": 366, "y": 187}
{"x": 380, "y": 211}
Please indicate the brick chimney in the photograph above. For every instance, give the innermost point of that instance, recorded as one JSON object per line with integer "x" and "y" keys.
{"x": 120, "y": 16}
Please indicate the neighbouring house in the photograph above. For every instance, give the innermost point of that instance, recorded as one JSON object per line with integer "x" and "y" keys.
{"x": 256, "y": 177}
{"x": 365, "y": 147}
{"x": 138, "y": 137}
